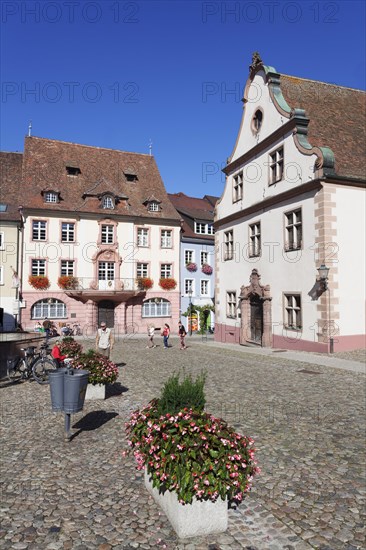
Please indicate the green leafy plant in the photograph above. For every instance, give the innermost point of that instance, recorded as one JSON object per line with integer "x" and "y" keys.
{"x": 203, "y": 313}
{"x": 68, "y": 282}
{"x": 101, "y": 370}
{"x": 178, "y": 395}
{"x": 191, "y": 453}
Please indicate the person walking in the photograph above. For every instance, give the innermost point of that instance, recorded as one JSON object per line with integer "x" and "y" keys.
{"x": 104, "y": 340}
{"x": 47, "y": 325}
{"x": 151, "y": 333}
{"x": 165, "y": 334}
{"x": 182, "y": 334}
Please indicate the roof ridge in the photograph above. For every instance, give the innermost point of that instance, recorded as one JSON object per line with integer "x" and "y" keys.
{"x": 89, "y": 146}
{"x": 322, "y": 82}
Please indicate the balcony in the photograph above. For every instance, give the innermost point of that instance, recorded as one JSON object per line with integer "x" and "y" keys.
{"x": 117, "y": 290}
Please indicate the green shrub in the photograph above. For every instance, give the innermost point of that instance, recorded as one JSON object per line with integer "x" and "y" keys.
{"x": 178, "y": 395}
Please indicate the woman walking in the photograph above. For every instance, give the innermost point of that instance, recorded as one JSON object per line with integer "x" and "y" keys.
{"x": 165, "y": 334}
{"x": 182, "y": 334}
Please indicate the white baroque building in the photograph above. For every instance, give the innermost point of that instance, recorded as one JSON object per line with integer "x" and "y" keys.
{"x": 293, "y": 202}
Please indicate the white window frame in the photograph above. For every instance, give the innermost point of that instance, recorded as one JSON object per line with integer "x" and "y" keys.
{"x": 53, "y": 310}
{"x": 108, "y": 203}
{"x": 238, "y": 187}
{"x": 153, "y": 206}
{"x": 231, "y": 304}
{"x": 50, "y": 197}
{"x": 142, "y": 269}
{"x": 293, "y": 229}
{"x": 1, "y": 274}
{"x": 67, "y": 232}
{"x": 292, "y": 311}
{"x": 142, "y": 237}
{"x": 166, "y": 240}
{"x": 67, "y": 268}
{"x": 156, "y": 307}
{"x": 229, "y": 244}
{"x": 202, "y": 228}
{"x": 39, "y": 230}
{"x": 188, "y": 256}
{"x": 204, "y": 257}
{"x": 276, "y": 165}
{"x": 189, "y": 284}
{"x": 107, "y": 234}
{"x": 206, "y": 283}
{"x": 166, "y": 271}
{"x": 106, "y": 271}
{"x": 255, "y": 239}
{"x": 2, "y": 240}
{"x": 38, "y": 267}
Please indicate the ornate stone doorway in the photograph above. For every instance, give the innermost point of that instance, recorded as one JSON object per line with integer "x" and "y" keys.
{"x": 256, "y": 312}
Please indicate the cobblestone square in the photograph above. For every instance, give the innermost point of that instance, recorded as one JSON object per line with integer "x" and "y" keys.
{"x": 307, "y": 420}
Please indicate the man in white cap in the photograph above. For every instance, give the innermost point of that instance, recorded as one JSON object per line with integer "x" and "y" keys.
{"x": 104, "y": 340}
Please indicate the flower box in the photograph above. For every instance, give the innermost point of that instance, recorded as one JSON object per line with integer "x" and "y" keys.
{"x": 201, "y": 517}
{"x": 191, "y": 267}
{"x": 96, "y": 391}
{"x": 206, "y": 269}
{"x": 144, "y": 283}
{"x": 167, "y": 283}
{"x": 40, "y": 282}
{"x": 68, "y": 282}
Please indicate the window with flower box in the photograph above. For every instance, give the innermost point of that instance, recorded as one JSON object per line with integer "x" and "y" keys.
{"x": 156, "y": 307}
{"x": 166, "y": 238}
{"x": 293, "y": 315}
{"x": 142, "y": 237}
{"x": 231, "y": 304}
{"x": 254, "y": 239}
{"x": 188, "y": 256}
{"x": 204, "y": 257}
{"x": 166, "y": 271}
{"x": 293, "y": 230}
{"x": 39, "y": 230}
{"x": 107, "y": 234}
{"x": 142, "y": 270}
{"x": 67, "y": 232}
{"x": 276, "y": 166}
{"x": 38, "y": 267}
{"x": 67, "y": 267}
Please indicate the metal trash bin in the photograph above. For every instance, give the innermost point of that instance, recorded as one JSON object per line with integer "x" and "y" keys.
{"x": 75, "y": 383}
{"x": 56, "y": 379}
{"x": 68, "y": 389}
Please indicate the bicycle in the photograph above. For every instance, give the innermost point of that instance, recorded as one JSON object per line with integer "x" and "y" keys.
{"x": 36, "y": 364}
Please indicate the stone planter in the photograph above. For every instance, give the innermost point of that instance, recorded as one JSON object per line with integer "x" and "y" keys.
{"x": 191, "y": 520}
{"x": 95, "y": 392}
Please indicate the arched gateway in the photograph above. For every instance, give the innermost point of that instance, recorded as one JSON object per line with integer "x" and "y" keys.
{"x": 256, "y": 312}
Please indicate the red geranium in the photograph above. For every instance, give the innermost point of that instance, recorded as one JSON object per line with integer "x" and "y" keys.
{"x": 167, "y": 283}
{"x": 40, "y": 282}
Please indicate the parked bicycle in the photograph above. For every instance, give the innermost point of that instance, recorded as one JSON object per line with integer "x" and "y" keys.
{"x": 37, "y": 364}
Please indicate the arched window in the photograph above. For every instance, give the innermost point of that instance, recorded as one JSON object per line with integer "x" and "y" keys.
{"x": 51, "y": 308}
{"x": 156, "y": 307}
{"x": 257, "y": 121}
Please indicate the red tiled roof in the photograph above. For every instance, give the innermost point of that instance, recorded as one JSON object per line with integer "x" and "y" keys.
{"x": 337, "y": 120}
{"x": 101, "y": 171}
{"x": 191, "y": 209}
{"x": 11, "y": 184}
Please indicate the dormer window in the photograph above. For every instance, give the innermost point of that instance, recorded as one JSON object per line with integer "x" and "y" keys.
{"x": 51, "y": 197}
{"x": 153, "y": 206}
{"x": 73, "y": 170}
{"x": 130, "y": 176}
{"x": 108, "y": 202}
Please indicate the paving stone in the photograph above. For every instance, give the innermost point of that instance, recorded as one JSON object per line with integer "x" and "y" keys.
{"x": 84, "y": 494}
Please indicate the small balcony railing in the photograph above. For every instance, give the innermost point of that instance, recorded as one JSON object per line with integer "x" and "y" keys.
{"x": 103, "y": 285}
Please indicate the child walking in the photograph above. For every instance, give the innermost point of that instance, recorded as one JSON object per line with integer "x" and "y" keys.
{"x": 150, "y": 333}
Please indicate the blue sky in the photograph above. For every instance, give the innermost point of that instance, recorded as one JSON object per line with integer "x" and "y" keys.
{"x": 116, "y": 74}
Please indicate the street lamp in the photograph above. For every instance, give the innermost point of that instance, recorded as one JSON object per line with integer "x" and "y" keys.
{"x": 190, "y": 292}
{"x": 323, "y": 279}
